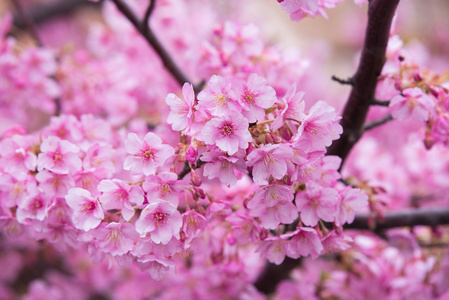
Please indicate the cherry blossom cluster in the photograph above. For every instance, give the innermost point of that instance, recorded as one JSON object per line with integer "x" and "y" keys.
{"x": 190, "y": 190}
{"x": 299, "y": 9}
{"x": 415, "y": 92}
{"x": 394, "y": 270}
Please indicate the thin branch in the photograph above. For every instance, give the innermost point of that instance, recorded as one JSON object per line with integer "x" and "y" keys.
{"x": 27, "y": 21}
{"x": 377, "y": 123}
{"x": 146, "y": 18}
{"x": 380, "y": 16}
{"x": 379, "y": 102}
{"x": 31, "y": 27}
{"x": 148, "y": 34}
{"x": 186, "y": 170}
{"x": 348, "y": 81}
{"x": 404, "y": 218}
{"x": 273, "y": 274}
{"x": 43, "y": 12}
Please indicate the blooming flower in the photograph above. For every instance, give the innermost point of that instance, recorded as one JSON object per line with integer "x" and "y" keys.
{"x": 273, "y": 205}
{"x": 147, "y": 154}
{"x": 412, "y": 103}
{"x": 292, "y": 107}
{"x": 317, "y": 203}
{"x": 218, "y": 97}
{"x": 162, "y": 220}
{"x": 230, "y": 133}
{"x": 305, "y": 241}
{"x": 181, "y": 110}
{"x": 58, "y": 156}
{"x": 222, "y": 166}
{"x": 163, "y": 187}
{"x": 351, "y": 201}
{"x": 87, "y": 211}
{"x": 118, "y": 194}
{"x": 115, "y": 238}
{"x": 269, "y": 160}
{"x": 254, "y": 96}
{"x": 320, "y": 125}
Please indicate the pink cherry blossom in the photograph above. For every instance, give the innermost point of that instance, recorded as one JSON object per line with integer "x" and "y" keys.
{"x": 162, "y": 220}
{"x": 269, "y": 160}
{"x": 163, "y": 187}
{"x": 273, "y": 205}
{"x": 305, "y": 241}
{"x": 292, "y": 6}
{"x": 351, "y": 201}
{"x": 181, "y": 110}
{"x": 412, "y": 103}
{"x": 217, "y": 97}
{"x": 274, "y": 249}
{"x": 118, "y": 194}
{"x": 147, "y": 154}
{"x": 254, "y": 95}
{"x": 53, "y": 184}
{"x": 230, "y": 133}
{"x": 33, "y": 207}
{"x": 223, "y": 166}
{"x": 241, "y": 42}
{"x": 58, "y": 156}
{"x": 292, "y": 107}
{"x": 115, "y": 238}
{"x": 193, "y": 225}
{"x": 317, "y": 203}
{"x": 321, "y": 125}
{"x": 87, "y": 211}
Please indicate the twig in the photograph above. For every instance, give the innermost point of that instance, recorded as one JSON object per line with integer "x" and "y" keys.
{"x": 148, "y": 34}
{"x": 348, "y": 81}
{"x": 31, "y": 27}
{"x": 27, "y": 21}
{"x": 273, "y": 274}
{"x": 380, "y": 15}
{"x": 146, "y": 18}
{"x": 364, "y": 82}
{"x": 379, "y": 102}
{"x": 376, "y": 123}
{"x": 43, "y": 12}
{"x": 404, "y": 218}
{"x": 186, "y": 170}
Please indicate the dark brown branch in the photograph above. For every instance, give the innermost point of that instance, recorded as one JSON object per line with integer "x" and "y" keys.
{"x": 376, "y": 123}
{"x": 273, "y": 274}
{"x": 380, "y": 15}
{"x": 380, "y": 102}
{"x": 43, "y": 12}
{"x": 146, "y": 18}
{"x": 343, "y": 81}
{"x": 405, "y": 218}
{"x": 31, "y": 27}
{"x": 27, "y": 21}
{"x": 186, "y": 170}
{"x": 149, "y": 36}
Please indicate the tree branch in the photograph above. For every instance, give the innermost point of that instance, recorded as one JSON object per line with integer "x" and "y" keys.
{"x": 376, "y": 123}
{"x": 380, "y": 15}
{"x": 273, "y": 274}
{"x": 380, "y": 102}
{"x": 43, "y": 12}
{"x": 27, "y": 21}
{"x": 348, "y": 81}
{"x": 149, "y": 36}
{"x": 404, "y": 218}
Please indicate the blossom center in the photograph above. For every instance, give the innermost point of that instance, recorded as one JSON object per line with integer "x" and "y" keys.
{"x": 227, "y": 130}
{"x": 249, "y": 97}
{"x": 160, "y": 218}
{"x": 220, "y": 100}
